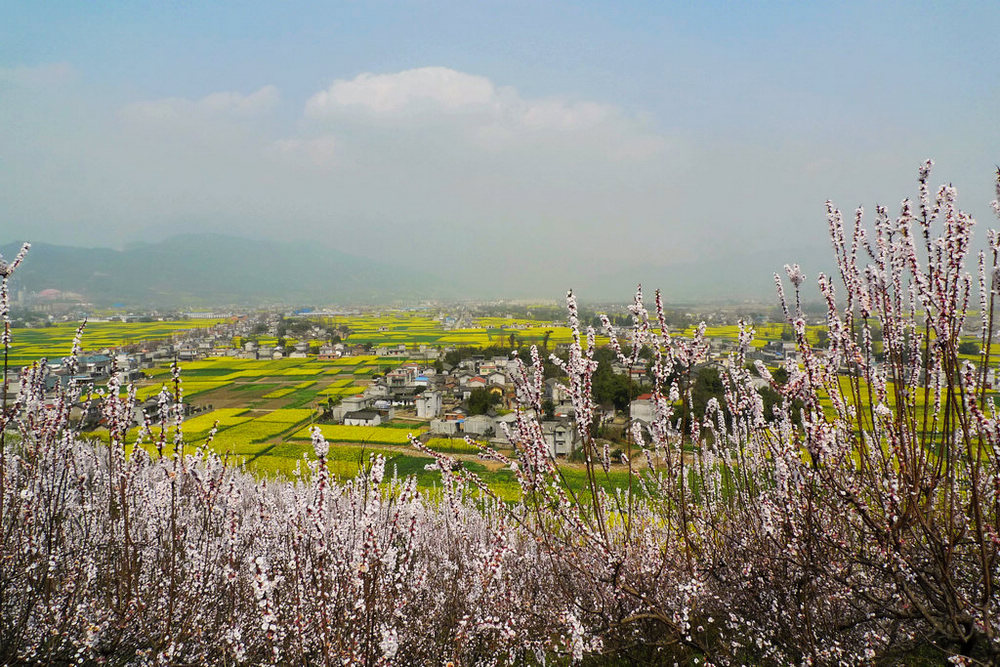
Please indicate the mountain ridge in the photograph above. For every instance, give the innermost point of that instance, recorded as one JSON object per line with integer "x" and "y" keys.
{"x": 216, "y": 269}
{"x": 211, "y": 270}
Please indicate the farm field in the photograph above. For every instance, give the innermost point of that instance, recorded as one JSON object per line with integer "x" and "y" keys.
{"x": 764, "y": 333}
{"x": 264, "y": 410}
{"x": 56, "y": 341}
{"x": 415, "y": 329}
{"x": 247, "y": 383}
{"x": 255, "y": 402}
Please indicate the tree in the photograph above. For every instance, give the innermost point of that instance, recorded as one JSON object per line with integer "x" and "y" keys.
{"x": 823, "y": 339}
{"x": 770, "y": 398}
{"x": 707, "y": 385}
{"x": 610, "y": 387}
{"x": 481, "y": 400}
{"x": 968, "y": 347}
{"x": 453, "y": 357}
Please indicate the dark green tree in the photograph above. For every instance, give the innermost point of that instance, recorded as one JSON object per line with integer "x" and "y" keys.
{"x": 968, "y": 347}
{"x": 481, "y": 400}
{"x": 707, "y": 385}
{"x": 609, "y": 387}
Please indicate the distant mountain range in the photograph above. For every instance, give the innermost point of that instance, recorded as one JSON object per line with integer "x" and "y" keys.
{"x": 213, "y": 270}
{"x": 210, "y": 270}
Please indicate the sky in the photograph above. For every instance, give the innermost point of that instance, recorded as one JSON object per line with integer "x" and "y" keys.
{"x": 536, "y": 143}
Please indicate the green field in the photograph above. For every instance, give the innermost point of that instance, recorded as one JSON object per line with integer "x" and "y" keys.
{"x": 56, "y": 341}
{"x": 258, "y": 404}
{"x": 383, "y": 435}
{"x": 420, "y": 328}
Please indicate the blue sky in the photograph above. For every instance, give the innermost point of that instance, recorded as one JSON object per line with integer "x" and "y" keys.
{"x": 569, "y": 135}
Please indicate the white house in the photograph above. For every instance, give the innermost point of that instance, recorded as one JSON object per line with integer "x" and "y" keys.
{"x": 362, "y": 418}
{"x": 642, "y": 409}
{"x": 385, "y": 409}
{"x": 564, "y": 409}
{"x": 556, "y": 391}
{"x": 350, "y": 404}
{"x": 445, "y": 426}
{"x": 377, "y": 389}
{"x": 479, "y": 425}
{"x": 391, "y": 350}
{"x": 401, "y": 377}
{"x": 561, "y": 437}
{"x": 499, "y": 434}
{"x": 474, "y": 382}
{"x": 428, "y": 404}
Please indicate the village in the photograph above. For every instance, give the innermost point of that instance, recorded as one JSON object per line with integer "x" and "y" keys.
{"x": 448, "y": 391}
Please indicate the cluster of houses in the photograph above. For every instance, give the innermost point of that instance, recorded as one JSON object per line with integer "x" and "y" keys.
{"x": 129, "y": 362}
{"x": 96, "y": 369}
{"x": 438, "y": 392}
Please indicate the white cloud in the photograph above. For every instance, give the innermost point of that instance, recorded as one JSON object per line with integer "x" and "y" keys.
{"x": 216, "y": 104}
{"x": 562, "y": 115}
{"x": 426, "y": 88}
{"x": 432, "y": 91}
